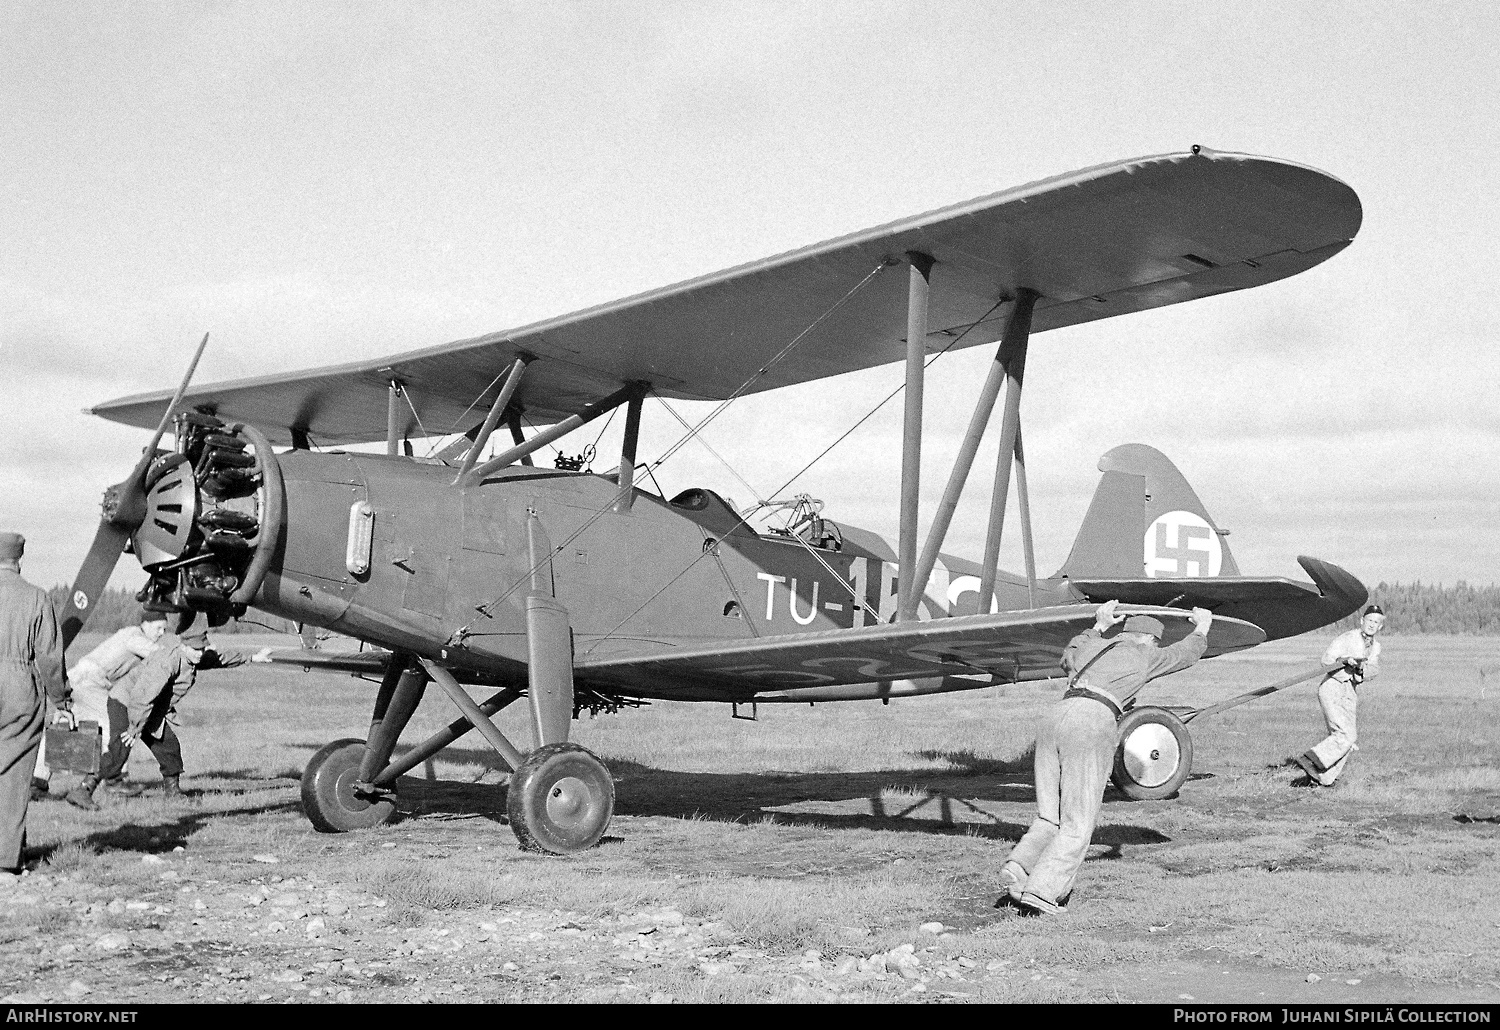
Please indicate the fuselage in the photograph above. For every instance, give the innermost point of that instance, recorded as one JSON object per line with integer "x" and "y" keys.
{"x": 448, "y": 568}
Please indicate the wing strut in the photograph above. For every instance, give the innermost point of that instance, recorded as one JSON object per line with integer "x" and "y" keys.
{"x": 1018, "y": 326}
{"x": 626, "y": 478}
{"x": 513, "y": 420}
{"x": 507, "y": 391}
{"x": 1024, "y": 501}
{"x": 554, "y": 432}
{"x": 1013, "y": 357}
{"x": 907, "y": 588}
{"x": 392, "y": 413}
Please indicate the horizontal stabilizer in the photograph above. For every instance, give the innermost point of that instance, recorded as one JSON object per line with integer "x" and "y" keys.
{"x": 1281, "y": 607}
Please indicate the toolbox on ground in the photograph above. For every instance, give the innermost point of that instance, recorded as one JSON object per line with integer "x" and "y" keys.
{"x": 75, "y": 751}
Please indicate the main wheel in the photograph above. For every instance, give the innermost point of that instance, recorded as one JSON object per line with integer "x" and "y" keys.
{"x": 1155, "y": 754}
{"x": 328, "y": 795}
{"x": 560, "y": 800}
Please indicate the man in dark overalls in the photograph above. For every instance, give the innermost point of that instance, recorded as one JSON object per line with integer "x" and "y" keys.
{"x": 31, "y": 668}
{"x": 141, "y": 701}
{"x": 1075, "y": 747}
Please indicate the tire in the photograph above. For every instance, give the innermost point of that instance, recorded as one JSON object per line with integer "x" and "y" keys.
{"x": 561, "y": 800}
{"x": 328, "y": 795}
{"x": 1155, "y": 754}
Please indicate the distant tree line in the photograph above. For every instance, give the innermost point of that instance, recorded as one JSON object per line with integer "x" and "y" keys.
{"x": 1416, "y": 608}
{"x": 118, "y": 608}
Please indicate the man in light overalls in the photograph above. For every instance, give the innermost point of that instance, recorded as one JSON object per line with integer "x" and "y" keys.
{"x": 1354, "y": 657}
{"x": 91, "y": 680}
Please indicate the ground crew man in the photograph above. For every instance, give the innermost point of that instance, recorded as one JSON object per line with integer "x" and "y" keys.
{"x": 92, "y": 678}
{"x": 1353, "y": 657}
{"x": 31, "y": 667}
{"x": 141, "y": 701}
{"x": 1075, "y": 747}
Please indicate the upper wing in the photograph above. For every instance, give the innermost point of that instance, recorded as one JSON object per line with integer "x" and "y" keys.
{"x": 1006, "y": 647}
{"x": 1095, "y": 243}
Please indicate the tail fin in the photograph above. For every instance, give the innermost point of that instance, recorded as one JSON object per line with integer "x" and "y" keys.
{"x": 1146, "y": 520}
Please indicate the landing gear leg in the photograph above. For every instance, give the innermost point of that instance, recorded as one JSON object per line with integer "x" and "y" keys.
{"x": 561, "y": 798}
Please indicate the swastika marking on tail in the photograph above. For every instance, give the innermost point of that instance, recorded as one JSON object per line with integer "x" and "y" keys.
{"x": 1180, "y": 543}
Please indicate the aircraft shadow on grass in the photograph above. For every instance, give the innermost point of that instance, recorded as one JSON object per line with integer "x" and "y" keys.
{"x": 957, "y": 800}
{"x": 155, "y": 838}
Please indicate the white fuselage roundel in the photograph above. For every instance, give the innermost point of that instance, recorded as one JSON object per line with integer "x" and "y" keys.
{"x": 1180, "y": 543}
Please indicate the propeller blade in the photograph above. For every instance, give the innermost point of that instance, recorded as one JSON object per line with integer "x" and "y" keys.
{"x": 93, "y": 576}
{"x": 166, "y": 416}
{"x": 124, "y": 510}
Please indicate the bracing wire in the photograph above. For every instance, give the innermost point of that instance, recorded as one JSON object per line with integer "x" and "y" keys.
{"x": 727, "y": 401}
{"x": 756, "y": 509}
{"x": 453, "y": 427}
{"x": 710, "y": 448}
{"x": 486, "y": 608}
{"x": 407, "y": 397}
{"x": 532, "y": 426}
{"x": 612, "y": 412}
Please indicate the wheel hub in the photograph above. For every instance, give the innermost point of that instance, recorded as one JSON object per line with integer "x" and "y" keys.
{"x": 567, "y": 801}
{"x": 1151, "y": 754}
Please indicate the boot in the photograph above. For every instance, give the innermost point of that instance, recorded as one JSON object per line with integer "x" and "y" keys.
{"x": 39, "y": 789}
{"x": 82, "y": 796}
{"x": 170, "y": 787}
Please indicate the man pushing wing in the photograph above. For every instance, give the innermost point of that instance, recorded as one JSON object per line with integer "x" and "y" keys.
{"x": 1075, "y": 747}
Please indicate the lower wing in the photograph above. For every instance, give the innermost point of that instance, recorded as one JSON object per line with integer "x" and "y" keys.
{"x": 880, "y": 661}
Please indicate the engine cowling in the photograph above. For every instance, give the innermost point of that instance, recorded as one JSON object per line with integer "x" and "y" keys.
{"x": 214, "y": 509}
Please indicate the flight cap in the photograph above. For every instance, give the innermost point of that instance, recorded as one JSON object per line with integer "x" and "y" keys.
{"x": 12, "y": 546}
{"x": 195, "y": 635}
{"x": 1144, "y": 624}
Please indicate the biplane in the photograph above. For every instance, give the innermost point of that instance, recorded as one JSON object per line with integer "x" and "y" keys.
{"x": 475, "y": 567}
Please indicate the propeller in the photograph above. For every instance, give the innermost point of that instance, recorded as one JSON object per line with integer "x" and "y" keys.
{"x": 124, "y": 512}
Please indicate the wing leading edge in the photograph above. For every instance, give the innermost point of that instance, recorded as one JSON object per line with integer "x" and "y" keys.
{"x": 980, "y": 649}
{"x": 1100, "y": 242}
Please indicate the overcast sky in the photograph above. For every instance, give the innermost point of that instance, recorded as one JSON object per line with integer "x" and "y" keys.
{"x": 319, "y": 183}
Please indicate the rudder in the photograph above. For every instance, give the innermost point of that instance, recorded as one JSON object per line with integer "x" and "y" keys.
{"x": 1146, "y": 520}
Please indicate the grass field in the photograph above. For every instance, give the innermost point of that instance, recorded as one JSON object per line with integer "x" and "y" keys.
{"x": 837, "y": 830}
